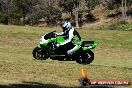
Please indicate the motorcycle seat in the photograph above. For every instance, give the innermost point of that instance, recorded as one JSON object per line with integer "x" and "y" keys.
{"x": 87, "y": 43}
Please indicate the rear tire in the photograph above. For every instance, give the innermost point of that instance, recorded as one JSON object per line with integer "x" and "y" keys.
{"x": 85, "y": 58}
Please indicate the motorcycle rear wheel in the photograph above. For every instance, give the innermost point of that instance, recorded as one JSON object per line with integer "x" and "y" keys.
{"x": 85, "y": 58}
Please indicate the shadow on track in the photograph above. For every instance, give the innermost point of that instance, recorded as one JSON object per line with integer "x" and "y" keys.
{"x": 40, "y": 85}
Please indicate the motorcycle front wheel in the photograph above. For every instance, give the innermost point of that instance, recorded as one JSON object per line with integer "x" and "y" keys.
{"x": 40, "y": 54}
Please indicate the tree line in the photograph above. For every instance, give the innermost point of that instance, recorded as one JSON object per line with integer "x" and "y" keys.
{"x": 30, "y": 12}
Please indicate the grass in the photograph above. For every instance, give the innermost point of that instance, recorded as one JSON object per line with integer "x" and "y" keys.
{"x": 112, "y": 58}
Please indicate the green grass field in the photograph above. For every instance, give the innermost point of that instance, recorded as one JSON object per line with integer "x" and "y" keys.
{"x": 113, "y": 59}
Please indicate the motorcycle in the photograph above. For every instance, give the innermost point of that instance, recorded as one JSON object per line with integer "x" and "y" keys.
{"x": 48, "y": 49}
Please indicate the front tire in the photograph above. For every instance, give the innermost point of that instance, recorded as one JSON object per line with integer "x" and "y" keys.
{"x": 40, "y": 54}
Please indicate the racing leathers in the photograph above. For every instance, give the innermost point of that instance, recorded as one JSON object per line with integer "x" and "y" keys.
{"x": 71, "y": 36}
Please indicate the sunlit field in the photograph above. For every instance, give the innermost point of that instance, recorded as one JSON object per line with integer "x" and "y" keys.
{"x": 113, "y": 58}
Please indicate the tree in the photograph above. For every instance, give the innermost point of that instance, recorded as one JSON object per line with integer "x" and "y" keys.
{"x": 5, "y": 9}
{"x": 76, "y": 4}
{"x": 34, "y": 14}
{"x": 91, "y": 5}
{"x": 71, "y": 6}
{"x": 129, "y": 12}
{"x": 111, "y": 4}
{"x": 24, "y": 6}
{"x": 124, "y": 8}
{"x": 51, "y": 15}
{"x": 15, "y": 16}
{"x": 67, "y": 6}
{"x": 49, "y": 12}
{"x": 123, "y": 14}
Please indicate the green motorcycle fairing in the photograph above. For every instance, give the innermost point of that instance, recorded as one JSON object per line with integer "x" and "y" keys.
{"x": 91, "y": 47}
{"x": 61, "y": 39}
{"x": 57, "y": 40}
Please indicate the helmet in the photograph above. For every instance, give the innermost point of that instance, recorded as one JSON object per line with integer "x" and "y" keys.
{"x": 66, "y": 26}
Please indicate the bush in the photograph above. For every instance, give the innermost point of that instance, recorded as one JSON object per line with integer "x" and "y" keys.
{"x": 3, "y": 18}
{"x": 90, "y": 17}
{"x": 124, "y": 27}
{"x": 127, "y": 27}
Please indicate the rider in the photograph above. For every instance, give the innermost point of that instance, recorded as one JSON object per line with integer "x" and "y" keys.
{"x": 71, "y": 36}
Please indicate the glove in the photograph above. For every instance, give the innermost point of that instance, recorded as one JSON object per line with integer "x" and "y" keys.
{"x": 57, "y": 45}
{"x": 56, "y": 34}
{"x": 69, "y": 52}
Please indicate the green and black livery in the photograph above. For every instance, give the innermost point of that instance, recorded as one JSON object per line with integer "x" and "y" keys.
{"x": 48, "y": 49}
